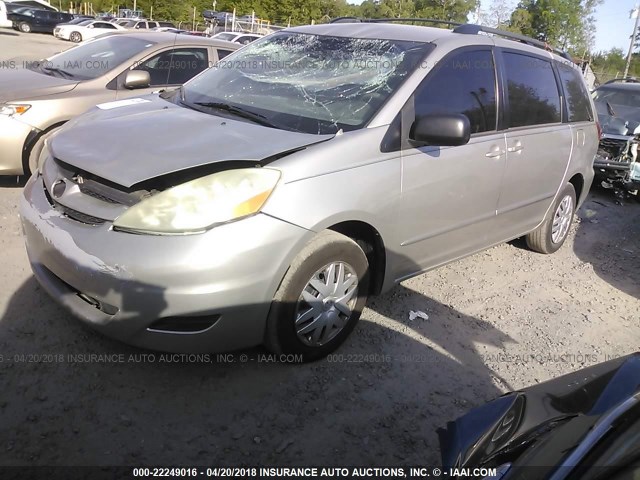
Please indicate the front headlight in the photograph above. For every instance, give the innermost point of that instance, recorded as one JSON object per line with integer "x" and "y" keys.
{"x": 12, "y": 109}
{"x": 200, "y": 204}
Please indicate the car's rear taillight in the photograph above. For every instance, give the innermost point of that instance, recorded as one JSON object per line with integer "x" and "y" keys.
{"x": 599, "y": 130}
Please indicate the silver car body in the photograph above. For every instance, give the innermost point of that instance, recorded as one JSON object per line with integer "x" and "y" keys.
{"x": 426, "y": 206}
{"x": 55, "y": 100}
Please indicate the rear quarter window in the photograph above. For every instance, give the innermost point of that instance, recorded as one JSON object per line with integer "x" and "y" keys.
{"x": 575, "y": 91}
{"x": 532, "y": 90}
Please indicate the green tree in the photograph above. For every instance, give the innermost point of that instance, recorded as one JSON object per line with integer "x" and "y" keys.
{"x": 566, "y": 24}
{"x": 281, "y": 12}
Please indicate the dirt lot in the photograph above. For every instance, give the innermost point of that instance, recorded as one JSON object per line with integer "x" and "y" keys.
{"x": 499, "y": 320}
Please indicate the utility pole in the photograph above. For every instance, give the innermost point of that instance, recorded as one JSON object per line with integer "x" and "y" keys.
{"x": 635, "y": 12}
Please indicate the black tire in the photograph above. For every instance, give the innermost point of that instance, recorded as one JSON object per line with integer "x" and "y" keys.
{"x": 75, "y": 37}
{"x": 541, "y": 239}
{"x": 24, "y": 27}
{"x": 326, "y": 248}
{"x": 36, "y": 151}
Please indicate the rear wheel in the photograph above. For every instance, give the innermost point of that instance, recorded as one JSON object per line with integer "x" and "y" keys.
{"x": 550, "y": 236}
{"x": 25, "y": 27}
{"x": 75, "y": 37}
{"x": 320, "y": 298}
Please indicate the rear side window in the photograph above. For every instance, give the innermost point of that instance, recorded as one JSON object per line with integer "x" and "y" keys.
{"x": 223, "y": 53}
{"x": 575, "y": 91}
{"x": 532, "y": 90}
{"x": 464, "y": 83}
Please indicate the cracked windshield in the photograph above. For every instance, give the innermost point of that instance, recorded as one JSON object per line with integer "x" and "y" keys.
{"x": 308, "y": 83}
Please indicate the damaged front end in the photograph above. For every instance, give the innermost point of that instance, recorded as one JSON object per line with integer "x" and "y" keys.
{"x": 616, "y": 164}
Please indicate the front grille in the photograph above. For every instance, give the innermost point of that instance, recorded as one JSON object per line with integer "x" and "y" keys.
{"x": 99, "y": 188}
{"x": 79, "y": 216}
{"x": 92, "y": 193}
{"x": 70, "y": 212}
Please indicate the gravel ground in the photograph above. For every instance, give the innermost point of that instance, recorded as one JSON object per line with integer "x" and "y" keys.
{"x": 499, "y": 320}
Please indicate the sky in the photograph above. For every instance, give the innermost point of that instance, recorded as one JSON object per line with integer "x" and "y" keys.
{"x": 613, "y": 25}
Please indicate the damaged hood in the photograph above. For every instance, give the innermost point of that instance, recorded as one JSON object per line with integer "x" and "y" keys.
{"x": 624, "y": 121}
{"x": 138, "y": 139}
{"x": 23, "y": 84}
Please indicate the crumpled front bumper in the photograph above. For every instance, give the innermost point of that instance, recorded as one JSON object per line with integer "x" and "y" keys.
{"x": 121, "y": 283}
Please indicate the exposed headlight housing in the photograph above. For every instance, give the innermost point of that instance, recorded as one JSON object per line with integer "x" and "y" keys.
{"x": 200, "y": 204}
{"x": 13, "y": 109}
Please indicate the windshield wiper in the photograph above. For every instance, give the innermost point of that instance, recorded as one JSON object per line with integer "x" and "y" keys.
{"x": 610, "y": 109}
{"x": 59, "y": 71}
{"x": 238, "y": 111}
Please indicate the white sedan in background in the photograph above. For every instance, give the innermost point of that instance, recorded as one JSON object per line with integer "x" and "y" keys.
{"x": 84, "y": 30}
{"x": 237, "y": 37}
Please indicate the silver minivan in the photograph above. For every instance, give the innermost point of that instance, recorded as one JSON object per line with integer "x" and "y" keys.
{"x": 265, "y": 200}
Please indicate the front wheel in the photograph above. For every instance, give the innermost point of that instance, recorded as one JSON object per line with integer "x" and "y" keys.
{"x": 75, "y": 37}
{"x": 320, "y": 298}
{"x": 550, "y": 236}
{"x": 25, "y": 27}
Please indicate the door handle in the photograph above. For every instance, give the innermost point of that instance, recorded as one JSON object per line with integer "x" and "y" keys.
{"x": 516, "y": 148}
{"x": 494, "y": 153}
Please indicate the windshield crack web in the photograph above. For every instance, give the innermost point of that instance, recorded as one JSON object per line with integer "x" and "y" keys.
{"x": 318, "y": 84}
{"x": 342, "y": 83}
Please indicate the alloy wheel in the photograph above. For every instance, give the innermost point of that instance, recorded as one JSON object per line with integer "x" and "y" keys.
{"x": 562, "y": 219}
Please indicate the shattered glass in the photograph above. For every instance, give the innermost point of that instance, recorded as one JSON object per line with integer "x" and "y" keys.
{"x": 310, "y": 83}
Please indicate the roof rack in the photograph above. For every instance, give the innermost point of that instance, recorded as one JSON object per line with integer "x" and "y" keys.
{"x": 392, "y": 20}
{"x": 463, "y": 28}
{"x": 623, "y": 80}
{"x": 472, "y": 29}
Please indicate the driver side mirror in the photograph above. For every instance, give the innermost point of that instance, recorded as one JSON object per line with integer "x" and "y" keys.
{"x": 137, "y": 79}
{"x": 443, "y": 130}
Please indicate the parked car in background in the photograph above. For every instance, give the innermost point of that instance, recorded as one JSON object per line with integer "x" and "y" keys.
{"x": 584, "y": 425}
{"x": 293, "y": 180}
{"x": 4, "y": 20}
{"x": 209, "y": 14}
{"x": 79, "y": 18}
{"x": 140, "y": 24}
{"x": 36, "y": 102}
{"x": 171, "y": 30}
{"x": 31, "y": 20}
{"x": 221, "y": 17}
{"x": 76, "y": 33}
{"x": 120, "y": 21}
{"x": 165, "y": 25}
{"x": 617, "y": 164}
{"x": 241, "y": 38}
{"x": 35, "y": 4}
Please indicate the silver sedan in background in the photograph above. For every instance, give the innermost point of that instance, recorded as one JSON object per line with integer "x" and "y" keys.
{"x": 37, "y": 100}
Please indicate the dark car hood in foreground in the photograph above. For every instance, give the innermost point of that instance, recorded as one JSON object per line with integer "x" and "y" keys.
{"x": 568, "y": 406}
{"x": 137, "y": 142}
{"x": 24, "y": 84}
